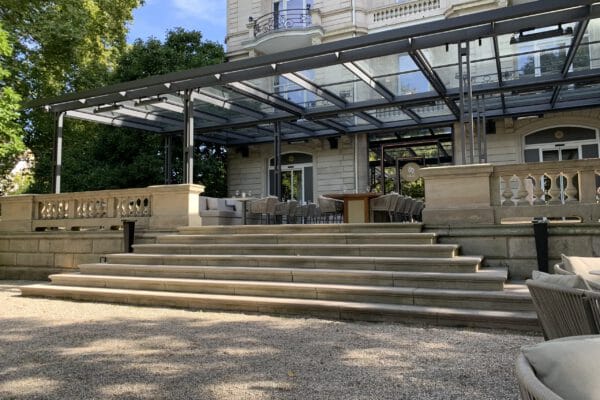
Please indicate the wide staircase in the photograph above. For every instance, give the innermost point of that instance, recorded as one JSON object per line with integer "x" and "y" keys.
{"x": 370, "y": 272}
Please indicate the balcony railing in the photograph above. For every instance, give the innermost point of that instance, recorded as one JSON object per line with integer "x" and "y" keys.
{"x": 282, "y": 20}
{"x": 154, "y": 207}
{"x": 487, "y": 194}
{"x": 403, "y": 12}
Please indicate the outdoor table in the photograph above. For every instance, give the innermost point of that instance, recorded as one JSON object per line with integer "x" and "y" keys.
{"x": 244, "y": 201}
{"x": 356, "y": 205}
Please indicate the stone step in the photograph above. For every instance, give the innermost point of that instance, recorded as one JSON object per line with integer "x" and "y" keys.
{"x": 304, "y": 238}
{"x": 356, "y": 250}
{"x": 307, "y": 228}
{"x": 421, "y": 264}
{"x": 486, "y": 300}
{"x": 486, "y": 279}
{"x": 522, "y": 320}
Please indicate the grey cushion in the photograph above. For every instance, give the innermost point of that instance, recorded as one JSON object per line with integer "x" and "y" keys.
{"x": 570, "y": 281}
{"x": 582, "y": 266}
{"x": 568, "y": 366}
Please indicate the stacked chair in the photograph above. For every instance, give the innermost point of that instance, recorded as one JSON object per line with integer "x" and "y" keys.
{"x": 332, "y": 210}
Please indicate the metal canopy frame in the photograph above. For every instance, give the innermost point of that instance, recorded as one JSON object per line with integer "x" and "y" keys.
{"x": 354, "y": 86}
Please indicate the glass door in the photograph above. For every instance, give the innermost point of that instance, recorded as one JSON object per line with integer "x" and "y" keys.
{"x": 291, "y": 185}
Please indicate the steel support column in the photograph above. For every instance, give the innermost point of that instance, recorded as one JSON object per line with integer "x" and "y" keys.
{"x": 277, "y": 158}
{"x": 461, "y": 88}
{"x": 188, "y": 138}
{"x": 168, "y": 159}
{"x": 59, "y": 119}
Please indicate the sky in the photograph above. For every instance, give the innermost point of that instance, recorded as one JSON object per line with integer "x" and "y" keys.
{"x": 156, "y": 17}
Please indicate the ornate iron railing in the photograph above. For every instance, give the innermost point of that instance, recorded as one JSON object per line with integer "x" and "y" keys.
{"x": 282, "y": 20}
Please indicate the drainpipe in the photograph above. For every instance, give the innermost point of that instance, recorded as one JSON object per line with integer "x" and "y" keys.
{"x": 354, "y": 14}
{"x": 355, "y": 163}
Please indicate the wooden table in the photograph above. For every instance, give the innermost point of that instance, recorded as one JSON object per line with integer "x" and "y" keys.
{"x": 356, "y": 206}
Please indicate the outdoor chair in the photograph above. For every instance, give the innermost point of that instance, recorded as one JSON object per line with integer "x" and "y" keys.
{"x": 561, "y": 310}
{"x": 285, "y": 210}
{"x": 558, "y": 369}
{"x": 331, "y": 209}
{"x": 559, "y": 269}
{"x": 530, "y": 387}
{"x": 582, "y": 267}
{"x": 384, "y": 204}
{"x": 264, "y": 207}
{"x": 403, "y": 210}
{"x": 416, "y": 210}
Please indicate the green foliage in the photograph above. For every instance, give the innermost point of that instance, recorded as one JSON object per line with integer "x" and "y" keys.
{"x": 60, "y": 46}
{"x": 11, "y": 143}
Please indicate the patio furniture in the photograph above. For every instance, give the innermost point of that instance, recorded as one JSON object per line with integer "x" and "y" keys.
{"x": 285, "y": 210}
{"x": 384, "y": 204}
{"x": 563, "y": 310}
{"x": 331, "y": 209}
{"x": 404, "y": 208}
{"x": 264, "y": 207}
{"x": 560, "y": 270}
{"x": 416, "y": 211}
{"x": 559, "y": 369}
{"x": 582, "y": 266}
{"x": 530, "y": 387}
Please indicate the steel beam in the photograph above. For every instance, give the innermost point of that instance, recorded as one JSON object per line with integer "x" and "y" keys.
{"x": 577, "y": 38}
{"x": 57, "y": 148}
{"x": 188, "y": 138}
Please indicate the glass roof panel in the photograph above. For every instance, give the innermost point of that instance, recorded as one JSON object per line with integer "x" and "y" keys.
{"x": 579, "y": 92}
{"x": 349, "y": 120}
{"x": 353, "y": 91}
{"x": 535, "y": 52}
{"x": 380, "y": 66}
{"x": 388, "y": 114}
{"x": 439, "y": 108}
{"x": 528, "y": 99}
{"x": 442, "y": 55}
{"x": 588, "y": 53}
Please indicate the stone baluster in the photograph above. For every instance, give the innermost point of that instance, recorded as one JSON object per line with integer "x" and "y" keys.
{"x": 539, "y": 191}
{"x": 571, "y": 192}
{"x": 554, "y": 190}
{"x": 507, "y": 193}
{"x": 522, "y": 193}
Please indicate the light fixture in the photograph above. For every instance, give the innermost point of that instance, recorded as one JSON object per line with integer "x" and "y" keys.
{"x": 523, "y": 37}
{"x": 160, "y": 102}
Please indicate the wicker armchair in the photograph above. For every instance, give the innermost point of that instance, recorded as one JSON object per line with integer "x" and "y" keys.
{"x": 285, "y": 210}
{"x": 560, "y": 270}
{"x": 385, "y": 203}
{"x": 562, "y": 311}
{"x": 264, "y": 207}
{"x": 331, "y": 209}
{"x": 530, "y": 387}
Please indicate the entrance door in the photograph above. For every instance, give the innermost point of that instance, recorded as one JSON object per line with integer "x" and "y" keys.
{"x": 292, "y": 184}
{"x": 296, "y": 177}
{"x": 560, "y": 154}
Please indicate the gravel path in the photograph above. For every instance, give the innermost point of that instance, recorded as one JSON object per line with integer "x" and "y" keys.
{"x": 52, "y": 349}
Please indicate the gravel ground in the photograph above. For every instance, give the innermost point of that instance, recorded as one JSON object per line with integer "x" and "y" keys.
{"x": 53, "y": 349}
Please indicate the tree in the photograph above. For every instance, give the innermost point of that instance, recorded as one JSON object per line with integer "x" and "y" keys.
{"x": 12, "y": 145}
{"x": 60, "y": 46}
{"x": 129, "y": 158}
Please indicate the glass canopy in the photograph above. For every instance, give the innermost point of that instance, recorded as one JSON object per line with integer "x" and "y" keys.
{"x": 527, "y": 59}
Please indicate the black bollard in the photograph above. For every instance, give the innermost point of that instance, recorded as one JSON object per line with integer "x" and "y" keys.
{"x": 128, "y": 235}
{"x": 540, "y": 232}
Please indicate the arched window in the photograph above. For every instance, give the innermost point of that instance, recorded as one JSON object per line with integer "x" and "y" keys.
{"x": 561, "y": 143}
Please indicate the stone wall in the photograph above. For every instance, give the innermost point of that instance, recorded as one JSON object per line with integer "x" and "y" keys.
{"x": 513, "y": 246}
{"x": 36, "y": 255}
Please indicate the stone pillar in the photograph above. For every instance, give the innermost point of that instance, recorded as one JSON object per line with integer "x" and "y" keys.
{"x": 458, "y": 195}
{"x": 17, "y": 213}
{"x": 175, "y": 205}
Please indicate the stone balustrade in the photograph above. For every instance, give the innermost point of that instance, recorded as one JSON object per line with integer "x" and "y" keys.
{"x": 486, "y": 194}
{"x": 403, "y": 12}
{"x": 154, "y": 207}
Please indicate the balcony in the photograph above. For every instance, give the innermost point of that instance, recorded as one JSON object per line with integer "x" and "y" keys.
{"x": 412, "y": 11}
{"x": 284, "y": 30}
